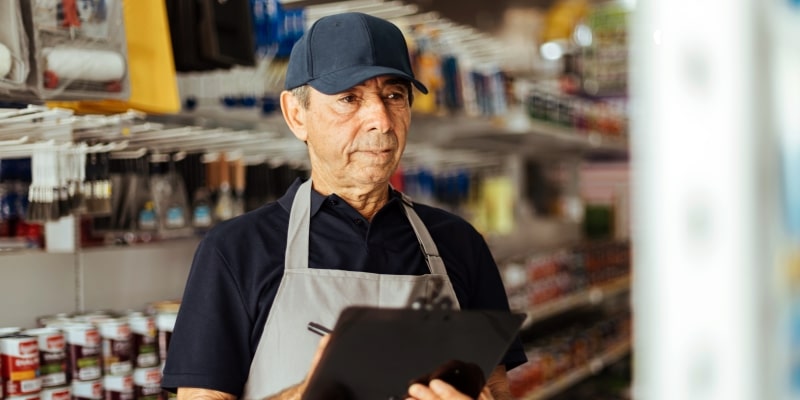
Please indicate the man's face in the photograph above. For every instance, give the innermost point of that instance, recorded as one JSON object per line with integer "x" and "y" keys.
{"x": 356, "y": 138}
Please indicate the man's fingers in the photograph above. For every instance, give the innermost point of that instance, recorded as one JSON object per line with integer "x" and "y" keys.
{"x": 446, "y": 391}
{"x": 486, "y": 394}
{"x": 323, "y": 342}
{"x": 421, "y": 392}
{"x": 437, "y": 389}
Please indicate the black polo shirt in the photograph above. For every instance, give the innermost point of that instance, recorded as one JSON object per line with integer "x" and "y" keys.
{"x": 239, "y": 264}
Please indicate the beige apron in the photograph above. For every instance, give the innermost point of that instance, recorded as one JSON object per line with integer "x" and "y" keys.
{"x": 318, "y": 295}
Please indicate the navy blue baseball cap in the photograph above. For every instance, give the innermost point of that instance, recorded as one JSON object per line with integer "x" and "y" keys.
{"x": 341, "y": 51}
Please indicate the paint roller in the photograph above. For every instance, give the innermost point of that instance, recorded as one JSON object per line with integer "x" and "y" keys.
{"x": 95, "y": 65}
{"x": 5, "y": 61}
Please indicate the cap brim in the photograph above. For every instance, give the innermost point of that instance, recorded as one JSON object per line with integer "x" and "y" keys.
{"x": 339, "y": 81}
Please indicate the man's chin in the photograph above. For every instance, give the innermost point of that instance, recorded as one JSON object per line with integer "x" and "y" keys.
{"x": 375, "y": 179}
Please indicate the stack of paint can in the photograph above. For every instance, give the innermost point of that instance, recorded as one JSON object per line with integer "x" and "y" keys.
{"x": 166, "y": 313}
{"x": 115, "y": 338}
{"x": 144, "y": 353}
{"x": 102, "y": 355}
{"x": 84, "y": 359}
{"x": 52, "y": 363}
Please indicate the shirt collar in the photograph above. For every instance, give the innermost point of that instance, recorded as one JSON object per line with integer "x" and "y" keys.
{"x": 317, "y": 200}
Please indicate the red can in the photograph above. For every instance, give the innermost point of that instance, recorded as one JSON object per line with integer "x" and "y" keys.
{"x": 19, "y": 361}
{"x": 144, "y": 341}
{"x": 147, "y": 383}
{"x": 52, "y": 356}
{"x": 165, "y": 323}
{"x": 83, "y": 352}
{"x": 6, "y": 331}
{"x": 115, "y": 336}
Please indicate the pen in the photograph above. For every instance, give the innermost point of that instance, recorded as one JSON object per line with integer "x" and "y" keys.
{"x": 318, "y": 329}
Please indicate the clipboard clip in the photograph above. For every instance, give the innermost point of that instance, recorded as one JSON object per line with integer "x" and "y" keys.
{"x": 426, "y": 304}
{"x": 436, "y": 300}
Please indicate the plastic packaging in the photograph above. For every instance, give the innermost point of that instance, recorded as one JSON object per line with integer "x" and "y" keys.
{"x": 79, "y": 49}
{"x": 14, "y": 65}
{"x": 150, "y": 66}
{"x": 5, "y": 60}
{"x": 70, "y": 63}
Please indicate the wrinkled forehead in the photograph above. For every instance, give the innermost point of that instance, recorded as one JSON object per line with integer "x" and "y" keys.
{"x": 383, "y": 82}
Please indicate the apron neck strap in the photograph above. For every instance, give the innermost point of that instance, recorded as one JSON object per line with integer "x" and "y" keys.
{"x": 300, "y": 222}
{"x": 426, "y": 243}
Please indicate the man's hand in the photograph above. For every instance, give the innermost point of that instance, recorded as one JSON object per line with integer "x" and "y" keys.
{"x": 296, "y": 392}
{"x": 438, "y": 389}
{"x": 496, "y": 389}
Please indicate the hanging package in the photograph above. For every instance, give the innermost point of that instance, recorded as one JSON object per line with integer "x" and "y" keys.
{"x": 150, "y": 65}
{"x": 227, "y": 32}
{"x": 184, "y": 31}
{"x": 78, "y": 49}
{"x": 14, "y": 65}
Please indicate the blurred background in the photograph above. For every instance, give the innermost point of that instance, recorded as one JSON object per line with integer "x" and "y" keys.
{"x": 633, "y": 165}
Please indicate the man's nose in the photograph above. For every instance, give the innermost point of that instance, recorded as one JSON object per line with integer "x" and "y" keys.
{"x": 377, "y": 116}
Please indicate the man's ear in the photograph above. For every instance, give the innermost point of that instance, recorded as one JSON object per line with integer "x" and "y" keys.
{"x": 294, "y": 114}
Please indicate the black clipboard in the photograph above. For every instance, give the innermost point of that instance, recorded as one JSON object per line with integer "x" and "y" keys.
{"x": 376, "y": 353}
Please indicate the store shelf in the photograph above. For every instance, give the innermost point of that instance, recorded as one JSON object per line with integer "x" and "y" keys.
{"x": 16, "y": 246}
{"x": 588, "y": 140}
{"x": 529, "y": 137}
{"x": 533, "y": 235}
{"x": 595, "y": 365}
{"x": 589, "y": 296}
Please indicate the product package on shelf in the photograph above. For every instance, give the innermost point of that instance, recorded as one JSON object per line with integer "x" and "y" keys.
{"x": 151, "y": 68}
{"x": 14, "y": 64}
{"x": 78, "y": 49}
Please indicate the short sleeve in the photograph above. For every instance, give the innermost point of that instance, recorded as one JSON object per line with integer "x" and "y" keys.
{"x": 210, "y": 345}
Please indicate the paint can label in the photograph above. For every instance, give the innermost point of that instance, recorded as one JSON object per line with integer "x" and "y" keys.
{"x": 56, "y": 393}
{"x": 118, "y": 387}
{"x": 87, "y": 390}
{"x": 32, "y": 396}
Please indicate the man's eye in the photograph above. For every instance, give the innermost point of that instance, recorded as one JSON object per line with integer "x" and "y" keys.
{"x": 397, "y": 96}
{"x": 348, "y": 98}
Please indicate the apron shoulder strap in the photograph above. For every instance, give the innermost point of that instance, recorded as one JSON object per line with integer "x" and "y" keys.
{"x": 426, "y": 243}
{"x": 299, "y": 222}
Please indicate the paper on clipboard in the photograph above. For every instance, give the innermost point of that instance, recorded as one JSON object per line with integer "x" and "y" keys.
{"x": 376, "y": 353}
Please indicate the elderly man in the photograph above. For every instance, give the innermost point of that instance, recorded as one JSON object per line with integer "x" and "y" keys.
{"x": 340, "y": 238}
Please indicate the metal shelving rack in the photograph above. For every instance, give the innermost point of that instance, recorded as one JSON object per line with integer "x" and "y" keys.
{"x": 593, "y": 295}
{"x": 535, "y": 138}
{"x": 595, "y": 365}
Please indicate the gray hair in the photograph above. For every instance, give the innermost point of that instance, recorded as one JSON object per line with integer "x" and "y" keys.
{"x": 303, "y": 95}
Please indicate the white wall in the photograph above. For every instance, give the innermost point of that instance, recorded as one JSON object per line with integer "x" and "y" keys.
{"x": 116, "y": 278}
{"x": 35, "y": 283}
